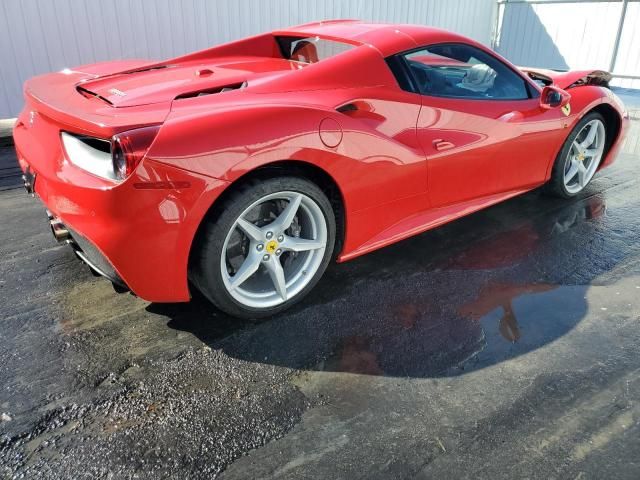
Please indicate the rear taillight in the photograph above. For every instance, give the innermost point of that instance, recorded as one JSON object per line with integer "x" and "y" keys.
{"x": 89, "y": 153}
{"x": 128, "y": 148}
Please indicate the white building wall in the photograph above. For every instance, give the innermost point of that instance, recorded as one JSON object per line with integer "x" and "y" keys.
{"x": 571, "y": 35}
{"x": 38, "y": 36}
{"x": 628, "y": 58}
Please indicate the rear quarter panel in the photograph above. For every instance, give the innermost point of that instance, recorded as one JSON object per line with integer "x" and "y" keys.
{"x": 377, "y": 161}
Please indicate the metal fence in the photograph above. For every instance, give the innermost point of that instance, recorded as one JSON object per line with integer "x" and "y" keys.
{"x": 572, "y": 34}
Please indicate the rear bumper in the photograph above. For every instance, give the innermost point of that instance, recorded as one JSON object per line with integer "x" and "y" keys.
{"x": 90, "y": 254}
{"x": 83, "y": 248}
{"x": 141, "y": 229}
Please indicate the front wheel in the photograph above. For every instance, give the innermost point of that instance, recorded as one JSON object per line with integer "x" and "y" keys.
{"x": 577, "y": 162}
{"x": 269, "y": 245}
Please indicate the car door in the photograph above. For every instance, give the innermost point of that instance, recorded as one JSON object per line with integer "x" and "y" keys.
{"x": 480, "y": 125}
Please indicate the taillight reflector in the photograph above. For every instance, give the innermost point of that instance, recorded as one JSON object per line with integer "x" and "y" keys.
{"x": 130, "y": 147}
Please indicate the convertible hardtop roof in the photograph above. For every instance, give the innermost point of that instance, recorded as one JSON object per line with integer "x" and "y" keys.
{"x": 385, "y": 37}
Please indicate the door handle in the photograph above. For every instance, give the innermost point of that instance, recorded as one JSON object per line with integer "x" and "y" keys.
{"x": 440, "y": 144}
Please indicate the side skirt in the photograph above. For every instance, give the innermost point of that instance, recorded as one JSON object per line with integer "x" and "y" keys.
{"x": 427, "y": 220}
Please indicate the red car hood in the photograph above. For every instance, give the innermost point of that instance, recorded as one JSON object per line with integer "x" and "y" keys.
{"x": 158, "y": 83}
{"x": 566, "y": 80}
{"x": 91, "y": 97}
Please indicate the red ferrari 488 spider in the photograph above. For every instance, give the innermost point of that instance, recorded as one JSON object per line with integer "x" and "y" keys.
{"x": 244, "y": 169}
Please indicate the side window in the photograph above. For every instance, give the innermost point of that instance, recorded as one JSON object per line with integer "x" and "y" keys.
{"x": 463, "y": 71}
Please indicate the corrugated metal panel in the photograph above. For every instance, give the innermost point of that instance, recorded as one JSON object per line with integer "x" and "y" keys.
{"x": 628, "y": 58}
{"x": 559, "y": 35}
{"x": 571, "y": 35}
{"x": 38, "y": 36}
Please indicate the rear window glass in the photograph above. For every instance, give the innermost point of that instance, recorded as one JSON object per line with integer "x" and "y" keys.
{"x": 310, "y": 49}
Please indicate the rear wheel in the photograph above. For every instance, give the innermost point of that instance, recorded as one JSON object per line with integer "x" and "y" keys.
{"x": 580, "y": 157}
{"x": 267, "y": 248}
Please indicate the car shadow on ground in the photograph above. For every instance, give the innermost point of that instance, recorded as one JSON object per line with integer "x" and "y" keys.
{"x": 476, "y": 292}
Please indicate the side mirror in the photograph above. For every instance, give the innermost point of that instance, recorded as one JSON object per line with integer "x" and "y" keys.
{"x": 553, "y": 97}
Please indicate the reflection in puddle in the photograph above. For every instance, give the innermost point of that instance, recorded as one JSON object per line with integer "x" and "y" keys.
{"x": 509, "y": 325}
{"x": 514, "y": 245}
{"x": 504, "y": 318}
{"x": 498, "y": 295}
{"x": 499, "y": 251}
{"x": 356, "y": 356}
{"x": 426, "y": 344}
{"x": 591, "y": 209}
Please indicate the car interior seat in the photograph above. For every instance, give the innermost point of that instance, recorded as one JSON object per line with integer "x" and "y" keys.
{"x": 305, "y": 52}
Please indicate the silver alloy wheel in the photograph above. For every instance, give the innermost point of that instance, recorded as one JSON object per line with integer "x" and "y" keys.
{"x": 274, "y": 249}
{"x": 584, "y": 156}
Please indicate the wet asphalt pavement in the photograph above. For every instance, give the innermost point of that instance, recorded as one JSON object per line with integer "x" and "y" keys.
{"x": 503, "y": 345}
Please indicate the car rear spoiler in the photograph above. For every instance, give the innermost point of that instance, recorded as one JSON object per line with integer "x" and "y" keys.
{"x": 56, "y": 95}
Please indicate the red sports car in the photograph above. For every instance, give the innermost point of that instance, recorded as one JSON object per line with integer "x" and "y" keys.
{"x": 244, "y": 169}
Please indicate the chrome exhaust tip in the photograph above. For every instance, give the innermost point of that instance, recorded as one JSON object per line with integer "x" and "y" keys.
{"x": 28, "y": 184}
{"x": 60, "y": 232}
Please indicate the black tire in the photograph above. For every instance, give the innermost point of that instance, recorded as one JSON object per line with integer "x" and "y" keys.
{"x": 556, "y": 186}
{"x": 205, "y": 272}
